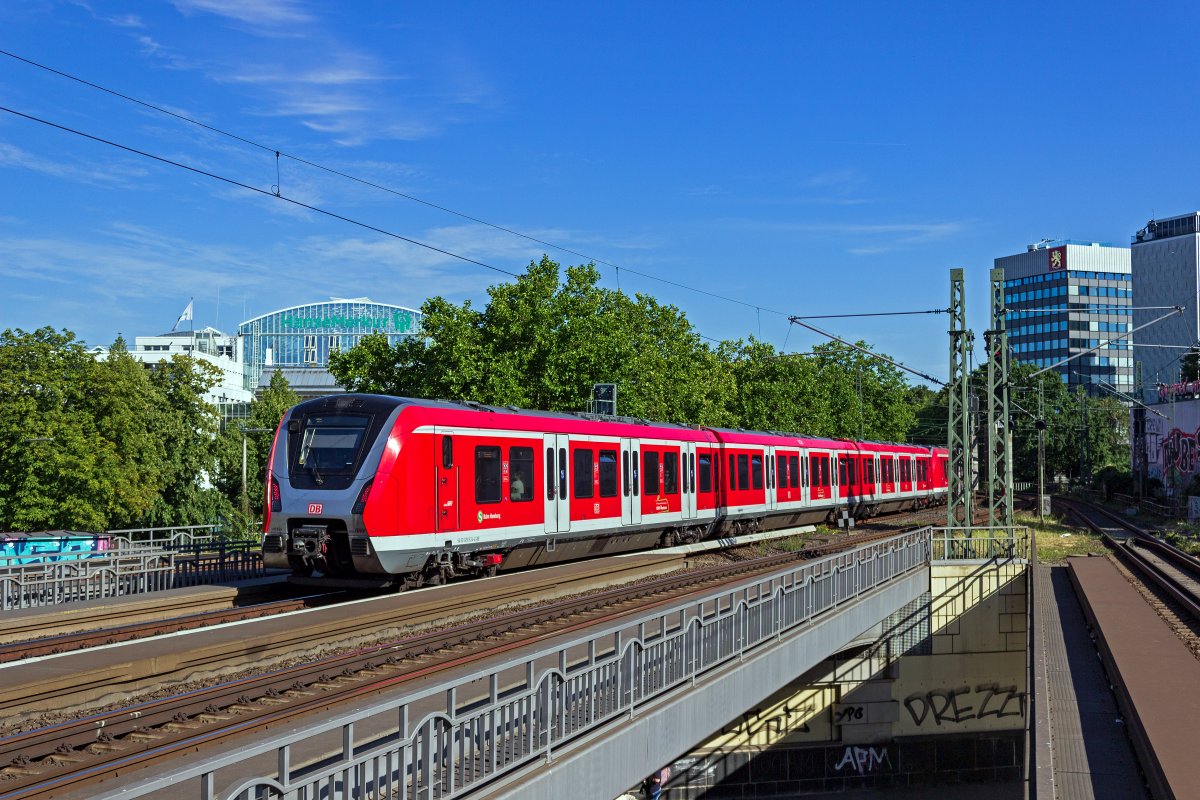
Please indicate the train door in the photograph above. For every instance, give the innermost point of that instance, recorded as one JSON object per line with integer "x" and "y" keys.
{"x": 446, "y": 483}
{"x": 772, "y": 479}
{"x": 558, "y": 507}
{"x": 687, "y": 479}
{"x": 631, "y": 501}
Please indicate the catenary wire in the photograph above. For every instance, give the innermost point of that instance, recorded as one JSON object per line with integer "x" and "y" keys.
{"x": 256, "y": 189}
{"x": 280, "y": 153}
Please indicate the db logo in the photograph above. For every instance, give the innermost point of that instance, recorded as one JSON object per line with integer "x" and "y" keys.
{"x": 316, "y": 508}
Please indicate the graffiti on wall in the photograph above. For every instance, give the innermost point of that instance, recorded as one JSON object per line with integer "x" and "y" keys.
{"x": 1171, "y": 450}
{"x": 864, "y": 760}
{"x": 959, "y": 705}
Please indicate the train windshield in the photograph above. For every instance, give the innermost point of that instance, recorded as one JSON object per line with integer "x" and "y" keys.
{"x": 331, "y": 444}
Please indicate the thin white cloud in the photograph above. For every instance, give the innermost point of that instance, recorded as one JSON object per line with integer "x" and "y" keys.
{"x": 127, "y": 21}
{"x": 254, "y": 12}
{"x": 116, "y": 175}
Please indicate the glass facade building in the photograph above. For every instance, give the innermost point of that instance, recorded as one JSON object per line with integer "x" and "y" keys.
{"x": 1166, "y": 272}
{"x": 304, "y": 336}
{"x": 1066, "y": 297}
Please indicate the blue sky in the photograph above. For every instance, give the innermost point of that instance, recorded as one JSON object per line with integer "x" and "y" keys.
{"x": 802, "y": 158}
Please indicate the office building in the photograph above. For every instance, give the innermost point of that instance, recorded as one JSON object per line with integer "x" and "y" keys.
{"x": 1066, "y": 297}
{"x": 1166, "y": 272}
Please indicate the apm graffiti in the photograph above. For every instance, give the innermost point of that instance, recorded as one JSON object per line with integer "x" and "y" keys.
{"x": 864, "y": 760}
{"x": 949, "y": 705}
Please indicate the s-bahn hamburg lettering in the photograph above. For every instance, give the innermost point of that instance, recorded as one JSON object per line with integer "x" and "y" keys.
{"x": 373, "y": 490}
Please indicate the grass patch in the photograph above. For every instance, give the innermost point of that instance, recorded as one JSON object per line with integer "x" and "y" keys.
{"x": 1056, "y": 540}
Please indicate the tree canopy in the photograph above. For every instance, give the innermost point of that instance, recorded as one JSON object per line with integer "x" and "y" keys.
{"x": 544, "y": 340}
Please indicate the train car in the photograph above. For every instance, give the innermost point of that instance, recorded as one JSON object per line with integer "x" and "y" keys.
{"x": 367, "y": 490}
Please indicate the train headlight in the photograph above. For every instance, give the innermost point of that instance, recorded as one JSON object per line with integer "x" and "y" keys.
{"x": 361, "y": 503}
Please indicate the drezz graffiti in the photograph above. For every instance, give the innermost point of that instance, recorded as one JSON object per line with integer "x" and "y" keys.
{"x": 949, "y": 705}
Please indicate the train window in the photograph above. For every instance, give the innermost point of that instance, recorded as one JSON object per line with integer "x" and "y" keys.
{"x": 756, "y": 472}
{"x": 869, "y": 464}
{"x": 670, "y": 473}
{"x": 636, "y": 485}
{"x": 770, "y": 473}
{"x": 842, "y": 474}
{"x": 743, "y": 472}
{"x": 706, "y": 476}
{"x": 649, "y": 472}
{"x": 782, "y": 471}
{"x": 625, "y": 472}
{"x": 582, "y": 465}
{"x": 794, "y": 472}
{"x": 562, "y": 473}
{"x": 732, "y": 471}
{"x": 692, "y": 471}
{"x": 487, "y": 474}
{"x": 520, "y": 474}
{"x": 447, "y": 452}
{"x": 549, "y": 473}
{"x": 608, "y": 473}
{"x": 851, "y": 471}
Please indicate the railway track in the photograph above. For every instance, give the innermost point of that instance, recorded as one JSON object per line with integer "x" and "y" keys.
{"x": 69, "y": 756}
{"x": 1174, "y": 572}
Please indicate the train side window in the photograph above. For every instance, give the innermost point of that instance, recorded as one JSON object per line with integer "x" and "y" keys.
{"x": 732, "y": 471}
{"x": 756, "y": 471}
{"x": 636, "y": 484}
{"x": 625, "y": 472}
{"x": 549, "y": 473}
{"x": 608, "y": 473}
{"x": 815, "y": 470}
{"x": 487, "y": 474}
{"x": 582, "y": 464}
{"x": 869, "y": 463}
{"x": 671, "y": 473}
{"x": 649, "y": 472}
{"x": 782, "y": 471}
{"x": 842, "y": 473}
{"x": 520, "y": 474}
{"x": 447, "y": 452}
{"x": 562, "y": 473}
{"x": 794, "y": 472}
{"x": 851, "y": 471}
{"x": 706, "y": 475}
{"x": 770, "y": 473}
{"x": 692, "y": 471}
{"x": 743, "y": 471}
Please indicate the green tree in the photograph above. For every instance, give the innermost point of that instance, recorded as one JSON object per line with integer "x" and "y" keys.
{"x": 187, "y": 427}
{"x": 542, "y": 342}
{"x": 260, "y": 426}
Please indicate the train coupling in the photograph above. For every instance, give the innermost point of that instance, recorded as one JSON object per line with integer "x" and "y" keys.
{"x": 310, "y": 542}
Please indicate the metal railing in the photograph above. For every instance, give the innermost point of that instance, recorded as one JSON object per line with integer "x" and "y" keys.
{"x": 108, "y": 574}
{"x": 121, "y": 562}
{"x": 1006, "y": 542}
{"x": 476, "y": 728}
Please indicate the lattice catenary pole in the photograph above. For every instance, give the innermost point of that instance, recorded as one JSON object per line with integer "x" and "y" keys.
{"x": 958, "y": 509}
{"x": 999, "y": 433}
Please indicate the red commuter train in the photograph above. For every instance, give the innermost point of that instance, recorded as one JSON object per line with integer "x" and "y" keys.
{"x": 370, "y": 490}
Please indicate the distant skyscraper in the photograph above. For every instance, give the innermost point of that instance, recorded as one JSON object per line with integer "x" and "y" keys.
{"x": 1068, "y": 296}
{"x": 1166, "y": 272}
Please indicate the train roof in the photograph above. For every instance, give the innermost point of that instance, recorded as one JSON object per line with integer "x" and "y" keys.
{"x": 582, "y": 422}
